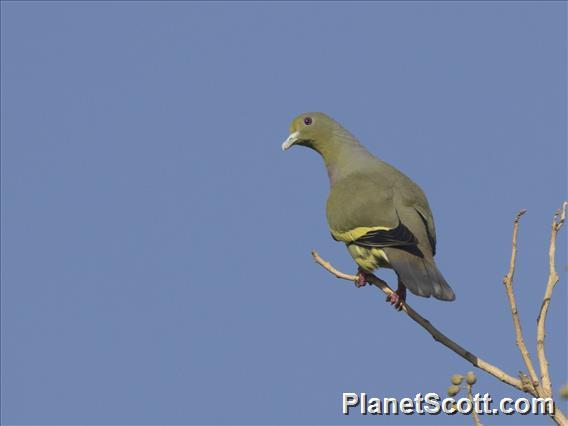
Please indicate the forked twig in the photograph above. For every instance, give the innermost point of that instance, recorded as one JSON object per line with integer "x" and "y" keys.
{"x": 508, "y": 282}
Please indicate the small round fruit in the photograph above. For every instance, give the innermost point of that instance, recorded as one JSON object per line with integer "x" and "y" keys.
{"x": 453, "y": 390}
{"x": 457, "y": 379}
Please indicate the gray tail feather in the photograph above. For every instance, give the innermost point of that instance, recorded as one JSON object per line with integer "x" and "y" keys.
{"x": 420, "y": 275}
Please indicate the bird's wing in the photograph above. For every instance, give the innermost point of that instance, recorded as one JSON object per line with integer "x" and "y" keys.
{"x": 414, "y": 209}
{"x": 381, "y": 207}
{"x": 361, "y": 210}
{"x": 428, "y": 220}
{"x": 399, "y": 236}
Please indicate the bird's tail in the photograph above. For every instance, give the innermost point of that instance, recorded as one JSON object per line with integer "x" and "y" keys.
{"x": 419, "y": 274}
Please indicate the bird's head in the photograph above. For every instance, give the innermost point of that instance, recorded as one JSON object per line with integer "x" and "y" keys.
{"x": 314, "y": 130}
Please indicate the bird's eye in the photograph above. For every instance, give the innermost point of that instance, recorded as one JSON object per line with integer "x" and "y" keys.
{"x": 307, "y": 121}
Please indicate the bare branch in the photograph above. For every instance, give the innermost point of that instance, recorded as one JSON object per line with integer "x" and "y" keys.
{"x": 530, "y": 385}
{"x": 508, "y": 281}
{"x": 557, "y": 223}
{"x": 424, "y": 323}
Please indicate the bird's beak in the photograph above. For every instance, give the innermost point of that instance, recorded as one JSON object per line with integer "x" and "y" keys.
{"x": 292, "y": 139}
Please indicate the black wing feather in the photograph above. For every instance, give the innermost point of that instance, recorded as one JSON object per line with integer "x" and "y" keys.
{"x": 400, "y": 237}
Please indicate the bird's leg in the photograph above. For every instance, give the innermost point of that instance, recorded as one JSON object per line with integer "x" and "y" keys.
{"x": 361, "y": 278}
{"x": 398, "y": 298}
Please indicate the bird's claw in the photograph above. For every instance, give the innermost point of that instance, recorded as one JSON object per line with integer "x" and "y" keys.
{"x": 361, "y": 279}
{"x": 398, "y": 298}
{"x": 395, "y": 300}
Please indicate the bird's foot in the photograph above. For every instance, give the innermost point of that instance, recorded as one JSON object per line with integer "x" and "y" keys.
{"x": 398, "y": 298}
{"x": 361, "y": 278}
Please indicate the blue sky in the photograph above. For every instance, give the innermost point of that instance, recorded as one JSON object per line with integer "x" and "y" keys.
{"x": 156, "y": 242}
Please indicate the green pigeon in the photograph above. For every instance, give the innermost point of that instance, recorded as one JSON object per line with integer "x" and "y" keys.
{"x": 381, "y": 215}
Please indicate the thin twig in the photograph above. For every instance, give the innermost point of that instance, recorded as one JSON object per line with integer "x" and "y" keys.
{"x": 434, "y": 332}
{"x": 557, "y": 223}
{"x": 508, "y": 281}
{"x": 474, "y": 414}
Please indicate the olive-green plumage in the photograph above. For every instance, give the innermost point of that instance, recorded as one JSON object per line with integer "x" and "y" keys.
{"x": 379, "y": 213}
